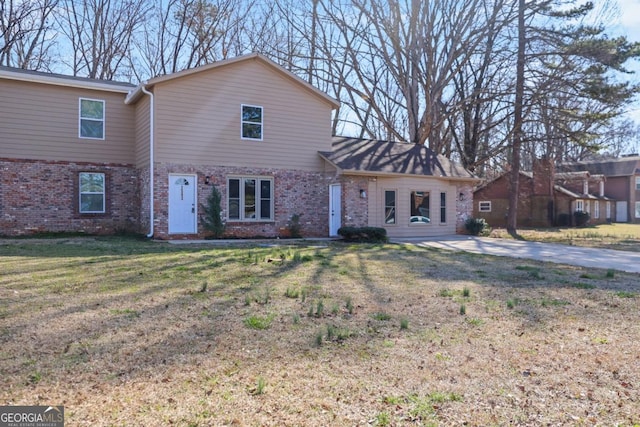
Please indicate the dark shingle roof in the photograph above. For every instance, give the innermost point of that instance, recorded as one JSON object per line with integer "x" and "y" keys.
{"x": 625, "y": 166}
{"x": 384, "y": 157}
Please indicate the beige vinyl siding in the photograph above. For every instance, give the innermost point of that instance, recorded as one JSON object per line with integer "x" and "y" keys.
{"x": 40, "y": 122}
{"x": 198, "y": 119}
{"x": 142, "y": 132}
{"x": 403, "y": 187}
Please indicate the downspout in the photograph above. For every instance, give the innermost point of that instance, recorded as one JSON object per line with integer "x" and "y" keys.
{"x": 151, "y": 160}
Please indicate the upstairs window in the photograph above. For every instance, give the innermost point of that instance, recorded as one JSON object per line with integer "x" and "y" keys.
{"x": 91, "y": 119}
{"x": 252, "y": 122}
{"x": 484, "y": 206}
{"x": 92, "y": 192}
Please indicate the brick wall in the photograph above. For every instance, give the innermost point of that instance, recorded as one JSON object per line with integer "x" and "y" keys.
{"x": 43, "y": 196}
{"x": 295, "y": 192}
{"x": 355, "y": 211}
{"x": 464, "y": 205}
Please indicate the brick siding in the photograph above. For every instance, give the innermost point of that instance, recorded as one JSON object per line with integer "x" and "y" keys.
{"x": 43, "y": 196}
{"x": 295, "y": 192}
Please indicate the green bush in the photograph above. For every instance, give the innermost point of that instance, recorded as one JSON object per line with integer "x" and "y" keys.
{"x": 581, "y": 218}
{"x": 212, "y": 220}
{"x": 363, "y": 234}
{"x": 476, "y": 226}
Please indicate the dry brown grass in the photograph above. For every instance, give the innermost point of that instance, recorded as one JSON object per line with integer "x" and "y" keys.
{"x": 134, "y": 333}
{"x": 623, "y": 237}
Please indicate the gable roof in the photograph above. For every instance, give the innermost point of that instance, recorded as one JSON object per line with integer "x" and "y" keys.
{"x": 135, "y": 95}
{"x": 625, "y": 166}
{"x": 11, "y": 73}
{"x": 373, "y": 157}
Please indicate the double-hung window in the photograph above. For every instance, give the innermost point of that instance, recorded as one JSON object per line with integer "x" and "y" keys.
{"x": 252, "y": 122}
{"x": 92, "y": 192}
{"x": 389, "y": 207}
{"x": 250, "y": 199}
{"x": 484, "y": 206}
{"x": 443, "y": 208}
{"x": 91, "y": 118}
{"x": 579, "y": 205}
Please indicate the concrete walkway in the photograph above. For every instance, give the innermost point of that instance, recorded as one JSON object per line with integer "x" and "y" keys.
{"x": 561, "y": 254}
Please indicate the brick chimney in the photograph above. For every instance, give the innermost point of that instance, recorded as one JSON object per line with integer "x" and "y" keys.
{"x": 543, "y": 176}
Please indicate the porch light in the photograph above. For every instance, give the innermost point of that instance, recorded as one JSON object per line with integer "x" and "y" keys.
{"x": 363, "y": 194}
{"x": 207, "y": 180}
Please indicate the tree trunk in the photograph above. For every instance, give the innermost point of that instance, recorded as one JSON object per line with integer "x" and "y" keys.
{"x": 512, "y": 217}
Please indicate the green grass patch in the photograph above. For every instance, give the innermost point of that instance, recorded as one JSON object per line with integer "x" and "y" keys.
{"x": 259, "y": 322}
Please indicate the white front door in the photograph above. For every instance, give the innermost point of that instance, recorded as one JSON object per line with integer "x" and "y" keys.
{"x": 182, "y": 204}
{"x": 335, "y": 209}
{"x": 621, "y": 212}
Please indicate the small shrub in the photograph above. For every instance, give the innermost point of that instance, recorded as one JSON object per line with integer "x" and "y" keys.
{"x": 611, "y": 273}
{"x": 581, "y": 218}
{"x": 261, "y": 383}
{"x": 363, "y": 234}
{"x": 212, "y": 220}
{"x": 466, "y": 292}
{"x": 292, "y": 293}
{"x": 477, "y": 226}
{"x": 463, "y": 309}
{"x": 294, "y": 227}
{"x": 320, "y": 309}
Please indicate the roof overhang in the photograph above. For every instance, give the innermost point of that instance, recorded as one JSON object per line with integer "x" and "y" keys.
{"x": 67, "y": 81}
{"x": 376, "y": 174}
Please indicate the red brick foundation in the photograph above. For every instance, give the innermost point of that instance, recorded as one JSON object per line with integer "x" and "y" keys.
{"x": 42, "y": 196}
{"x": 295, "y": 192}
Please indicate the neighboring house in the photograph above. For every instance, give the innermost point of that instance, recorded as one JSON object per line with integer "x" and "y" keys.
{"x": 622, "y": 183}
{"x": 546, "y": 198}
{"x": 82, "y": 155}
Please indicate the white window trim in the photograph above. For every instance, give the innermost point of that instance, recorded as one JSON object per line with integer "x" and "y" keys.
{"x": 487, "y": 205}
{"x": 384, "y": 207}
{"x": 637, "y": 183}
{"x": 242, "y": 122}
{"x": 596, "y": 209}
{"x": 637, "y": 209}
{"x": 103, "y": 192}
{"x": 104, "y": 119}
{"x": 258, "y": 199}
{"x": 579, "y": 205}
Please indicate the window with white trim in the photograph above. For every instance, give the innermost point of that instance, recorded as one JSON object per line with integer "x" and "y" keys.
{"x": 608, "y": 210}
{"x": 389, "y": 207}
{"x": 252, "y": 122}
{"x": 579, "y": 205}
{"x": 596, "y": 209}
{"x": 484, "y": 206}
{"x": 92, "y": 192}
{"x": 420, "y": 207}
{"x": 91, "y": 118}
{"x": 443, "y": 208}
{"x": 250, "y": 199}
{"x": 638, "y": 183}
{"x": 637, "y": 209}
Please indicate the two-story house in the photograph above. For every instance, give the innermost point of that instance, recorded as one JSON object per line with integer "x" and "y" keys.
{"x": 83, "y": 155}
{"x": 622, "y": 183}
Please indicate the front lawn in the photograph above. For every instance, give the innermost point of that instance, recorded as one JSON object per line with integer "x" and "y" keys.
{"x": 125, "y": 332}
{"x": 624, "y": 237}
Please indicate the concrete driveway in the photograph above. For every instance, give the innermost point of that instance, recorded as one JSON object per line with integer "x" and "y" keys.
{"x": 561, "y": 254}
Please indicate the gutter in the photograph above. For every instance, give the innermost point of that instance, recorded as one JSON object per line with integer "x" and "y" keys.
{"x": 132, "y": 98}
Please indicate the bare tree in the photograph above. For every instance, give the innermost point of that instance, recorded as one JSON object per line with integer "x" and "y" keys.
{"x": 100, "y": 34}
{"x": 25, "y": 33}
